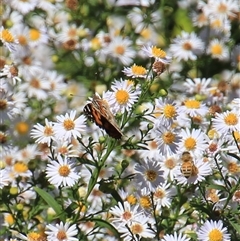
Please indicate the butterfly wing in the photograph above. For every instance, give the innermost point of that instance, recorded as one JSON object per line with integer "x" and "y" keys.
{"x": 99, "y": 112}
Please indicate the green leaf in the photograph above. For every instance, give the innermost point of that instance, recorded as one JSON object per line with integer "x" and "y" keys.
{"x": 51, "y": 202}
{"x": 235, "y": 226}
{"x": 104, "y": 224}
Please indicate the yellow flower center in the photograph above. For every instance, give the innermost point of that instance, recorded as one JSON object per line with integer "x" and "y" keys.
{"x": 222, "y": 8}
{"x": 145, "y": 202}
{"x": 233, "y": 167}
{"x": 138, "y": 70}
{"x": 168, "y": 137}
{"x": 34, "y": 236}
{"x": 131, "y": 199}
{"x": 159, "y": 194}
{"x": 64, "y": 171}
{"x": 48, "y": 131}
{"x": 216, "y": 23}
{"x": 212, "y": 133}
{"x": 120, "y": 50}
{"x": 95, "y": 43}
{"x": 215, "y": 235}
{"x": 122, "y": 97}
{"x": 190, "y": 143}
{"x": 3, "y": 104}
{"x": 187, "y": 46}
{"x": 136, "y": 228}
{"x": 22, "y": 40}
{"x": 35, "y": 83}
{"x": 20, "y": 167}
{"x": 170, "y": 163}
{"x": 9, "y": 219}
{"x": 22, "y": 127}
{"x": 169, "y": 111}
{"x": 216, "y": 49}
{"x": 231, "y": 119}
{"x": 126, "y": 215}
{"x": 157, "y": 52}
{"x": 151, "y": 175}
{"x": 7, "y": 36}
{"x": 61, "y": 235}
{"x": 68, "y": 124}
{"x": 34, "y": 34}
{"x": 192, "y": 104}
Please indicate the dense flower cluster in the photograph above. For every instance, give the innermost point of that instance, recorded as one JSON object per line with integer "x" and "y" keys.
{"x": 156, "y": 156}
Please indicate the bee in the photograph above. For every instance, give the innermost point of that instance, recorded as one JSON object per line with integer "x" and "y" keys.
{"x": 188, "y": 168}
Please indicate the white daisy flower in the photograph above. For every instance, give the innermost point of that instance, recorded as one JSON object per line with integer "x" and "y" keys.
{"x": 61, "y": 172}
{"x": 43, "y": 134}
{"x": 197, "y": 85}
{"x": 193, "y": 108}
{"x": 8, "y": 39}
{"x": 226, "y": 122}
{"x": 213, "y": 230}
{"x": 149, "y": 174}
{"x": 157, "y": 53}
{"x": 175, "y": 237}
{"x": 163, "y": 195}
{"x": 120, "y": 48}
{"x": 194, "y": 141}
{"x": 122, "y": 97}
{"x": 68, "y": 127}
{"x": 11, "y": 72}
{"x": 135, "y": 71}
{"x": 167, "y": 139}
{"x": 186, "y": 46}
{"x": 218, "y": 50}
{"x": 165, "y": 111}
{"x": 168, "y": 164}
{"x": 124, "y": 214}
{"x": 61, "y": 232}
{"x": 139, "y": 229}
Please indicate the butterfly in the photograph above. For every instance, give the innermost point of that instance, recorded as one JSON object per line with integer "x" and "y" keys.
{"x": 98, "y": 111}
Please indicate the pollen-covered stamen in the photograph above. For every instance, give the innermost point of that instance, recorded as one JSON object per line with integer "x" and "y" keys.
{"x": 138, "y": 70}
{"x": 127, "y": 215}
{"x": 168, "y": 137}
{"x": 136, "y": 228}
{"x": 145, "y": 202}
{"x": 122, "y": 97}
{"x": 151, "y": 175}
{"x": 216, "y": 49}
{"x": 169, "y": 111}
{"x": 159, "y": 194}
{"x": 20, "y": 167}
{"x": 231, "y": 119}
{"x": 215, "y": 235}
{"x": 48, "y": 131}
{"x": 170, "y": 163}
{"x": 64, "y": 171}
{"x": 6, "y": 36}
{"x": 68, "y": 124}
{"x": 120, "y": 50}
{"x": 187, "y": 46}
{"x": 61, "y": 235}
{"x": 190, "y": 143}
{"x": 34, "y": 34}
{"x": 157, "y": 52}
{"x": 3, "y": 104}
{"x": 35, "y": 83}
{"x": 192, "y": 104}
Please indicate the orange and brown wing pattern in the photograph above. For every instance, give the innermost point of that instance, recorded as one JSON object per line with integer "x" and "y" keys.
{"x": 99, "y": 112}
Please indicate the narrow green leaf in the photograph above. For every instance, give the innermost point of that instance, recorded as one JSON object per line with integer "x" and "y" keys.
{"x": 51, "y": 202}
{"x": 235, "y": 226}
